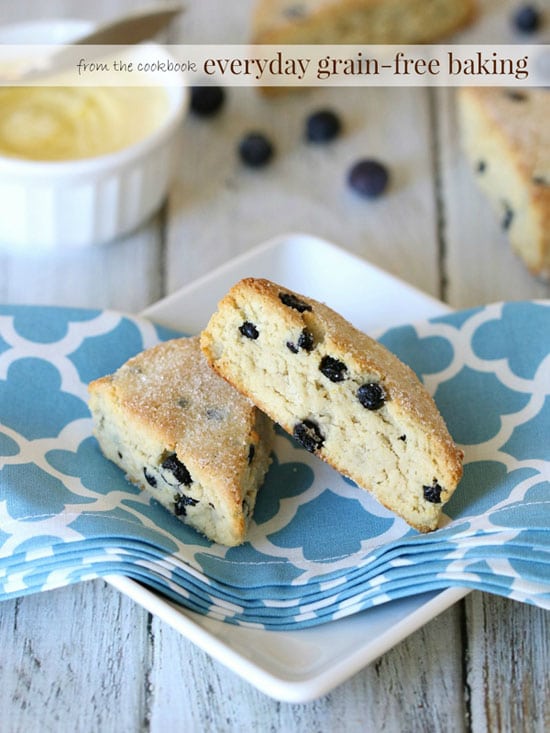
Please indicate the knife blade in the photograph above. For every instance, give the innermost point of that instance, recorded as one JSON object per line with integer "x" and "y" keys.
{"x": 140, "y": 25}
{"x": 134, "y": 28}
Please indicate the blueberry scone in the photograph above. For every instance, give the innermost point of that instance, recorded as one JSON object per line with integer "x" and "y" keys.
{"x": 342, "y": 395}
{"x": 358, "y": 21}
{"x": 506, "y": 135}
{"x": 182, "y": 433}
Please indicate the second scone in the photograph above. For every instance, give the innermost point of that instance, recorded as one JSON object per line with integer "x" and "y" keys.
{"x": 183, "y": 434}
{"x": 341, "y": 394}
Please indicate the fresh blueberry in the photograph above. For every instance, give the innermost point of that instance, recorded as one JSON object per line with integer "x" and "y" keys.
{"x": 322, "y": 126}
{"x": 371, "y": 396}
{"x": 368, "y": 178}
{"x": 206, "y": 101}
{"x": 255, "y": 150}
{"x": 526, "y": 19}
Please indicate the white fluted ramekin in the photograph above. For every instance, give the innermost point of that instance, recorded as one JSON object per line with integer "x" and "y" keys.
{"x": 69, "y": 204}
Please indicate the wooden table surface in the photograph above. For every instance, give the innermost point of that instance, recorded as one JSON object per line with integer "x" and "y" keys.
{"x": 86, "y": 658}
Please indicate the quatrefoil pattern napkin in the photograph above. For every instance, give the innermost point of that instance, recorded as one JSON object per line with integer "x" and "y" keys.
{"x": 319, "y": 548}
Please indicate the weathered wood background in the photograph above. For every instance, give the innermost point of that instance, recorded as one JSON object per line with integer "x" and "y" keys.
{"x": 86, "y": 658}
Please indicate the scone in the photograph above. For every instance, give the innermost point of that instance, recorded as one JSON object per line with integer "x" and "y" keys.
{"x": 342, "y": 395}
{"x": 361, "y": 22}
{"x": 179, "y": 431}
{"x": 506, "y": 135}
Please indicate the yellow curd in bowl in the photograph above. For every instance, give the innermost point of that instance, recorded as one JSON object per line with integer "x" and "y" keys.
{"x": 69, "y": 123}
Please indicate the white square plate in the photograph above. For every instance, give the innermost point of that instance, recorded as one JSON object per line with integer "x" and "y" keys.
{"x": 296, "y": 666}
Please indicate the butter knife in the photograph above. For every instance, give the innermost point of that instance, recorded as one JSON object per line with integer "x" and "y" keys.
{"x": 140, "y": 25}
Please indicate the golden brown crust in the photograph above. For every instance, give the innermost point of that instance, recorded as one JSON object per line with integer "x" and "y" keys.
{"x": 358, "y": 21}
{"x": 170, "y": 390}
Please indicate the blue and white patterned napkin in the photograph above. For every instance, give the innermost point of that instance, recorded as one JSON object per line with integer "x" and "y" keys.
{"x": 319, "y": 547}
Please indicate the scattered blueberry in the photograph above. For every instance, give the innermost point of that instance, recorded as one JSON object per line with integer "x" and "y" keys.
{"x": 368, "y": 178}
{"x": 180, "y": 502}
{"x": 255, "y": 150}
{"x": 206, "y": 101}
{"x": 526, "y": 19}
{"x": 177, "y": 469}
{"x": 333, "y": 369}
{"x": 433, "y": 493}
{"x": 293, "y": 302}
{"x": 371, "y": 395}
{"x": 249, "y": 330}
{"x": 308, "y": 434}
{"x": 322, "y": 126}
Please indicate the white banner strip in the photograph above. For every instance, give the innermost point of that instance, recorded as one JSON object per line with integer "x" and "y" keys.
{"x": 275, "y": 66}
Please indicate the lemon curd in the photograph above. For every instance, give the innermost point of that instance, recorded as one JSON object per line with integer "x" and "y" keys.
{"x": 68, "y": 123}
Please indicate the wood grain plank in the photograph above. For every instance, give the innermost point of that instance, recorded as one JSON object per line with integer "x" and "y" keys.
{"x": 508, "y": 665}
{"x": 73, "y": 660}
{"x": 125, "y": 275}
